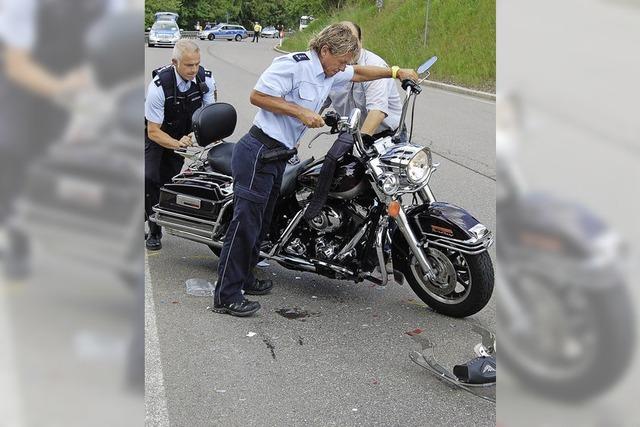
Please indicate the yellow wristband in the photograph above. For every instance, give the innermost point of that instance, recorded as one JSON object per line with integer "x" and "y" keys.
{"x": 394, "y": 71}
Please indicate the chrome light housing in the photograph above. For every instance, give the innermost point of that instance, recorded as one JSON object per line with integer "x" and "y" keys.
{"x": 411, "y": 164}
{"x": 418, "y": 166}
{"x": 390, "y": 184}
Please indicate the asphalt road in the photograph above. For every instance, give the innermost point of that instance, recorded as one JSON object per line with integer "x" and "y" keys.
{"x": 347, "y": 362}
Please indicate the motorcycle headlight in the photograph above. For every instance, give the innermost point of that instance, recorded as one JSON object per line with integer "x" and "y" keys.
{"x": 418, "y": 166}
{"x": 390, "y": 184}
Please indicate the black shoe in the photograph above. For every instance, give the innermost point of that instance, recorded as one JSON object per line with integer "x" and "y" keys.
{"x": 240, "y": 309}
{"x": 481, "y": 370}
{"x": 259, "y": 287}
{"x": 153, "y": 242}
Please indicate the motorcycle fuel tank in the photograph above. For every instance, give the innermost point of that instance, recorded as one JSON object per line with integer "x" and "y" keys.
{"x": 348, "y": 180}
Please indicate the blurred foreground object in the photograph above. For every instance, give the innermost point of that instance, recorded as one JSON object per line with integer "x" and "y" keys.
{"x": 71, "y": 156}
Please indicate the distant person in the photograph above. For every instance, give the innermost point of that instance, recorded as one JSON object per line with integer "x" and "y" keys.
{"x": 198, "y": 27}
{"x": 257, "y": 29}
{"x": 379, "y": 100}
{"x": 176, "y": 91}
{"x": 207, "y": 26}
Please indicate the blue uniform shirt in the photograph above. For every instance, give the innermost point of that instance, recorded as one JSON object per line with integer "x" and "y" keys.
{"x": 154, "y": 103}
{"x": 298, "y": 80}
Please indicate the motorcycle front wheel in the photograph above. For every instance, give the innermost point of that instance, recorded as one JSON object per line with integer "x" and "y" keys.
{"x": 463, "y": 284}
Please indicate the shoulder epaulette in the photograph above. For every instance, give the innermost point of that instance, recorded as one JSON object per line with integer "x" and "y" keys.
{"x": 207, "y": 73}
{"x": 300, "y": 57}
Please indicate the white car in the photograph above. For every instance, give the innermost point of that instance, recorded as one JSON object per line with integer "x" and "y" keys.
{"x": 270, "y": 32}
{"x": 164, "y": 33}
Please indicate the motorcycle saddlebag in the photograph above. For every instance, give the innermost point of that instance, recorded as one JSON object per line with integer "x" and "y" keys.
{"x": 197, "y": 194}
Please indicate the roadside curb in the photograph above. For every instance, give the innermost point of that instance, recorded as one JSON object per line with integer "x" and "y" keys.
{"x": 438, "y": 85}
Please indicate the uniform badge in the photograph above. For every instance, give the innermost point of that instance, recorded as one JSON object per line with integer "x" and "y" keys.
{"x": 300, "y": 57}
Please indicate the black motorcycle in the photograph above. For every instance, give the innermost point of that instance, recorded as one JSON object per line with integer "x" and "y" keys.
{"x": 380, "y": 219}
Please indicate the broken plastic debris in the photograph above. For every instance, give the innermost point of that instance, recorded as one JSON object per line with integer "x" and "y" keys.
{"x": 355, "y": 409}
{"x": 251, "y": 334}
{"x": 221, "y": 391}
{"x": 415, "y": 332}
{"x": 314, "y": 297}
{"x": 263, "y": 264}
{"x": 199, "y": 287}
{"x": 297, "y": 277}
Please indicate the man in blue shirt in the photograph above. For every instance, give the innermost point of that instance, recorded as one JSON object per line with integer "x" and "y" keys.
{"x": 177, "y": 90}
{"x": 289, "y": 94}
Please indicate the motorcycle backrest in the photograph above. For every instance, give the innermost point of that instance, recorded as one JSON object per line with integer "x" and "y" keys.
{"x": 213, "y": 122}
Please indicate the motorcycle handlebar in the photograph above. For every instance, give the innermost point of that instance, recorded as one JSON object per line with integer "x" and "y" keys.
{"x": 415, "y": 87}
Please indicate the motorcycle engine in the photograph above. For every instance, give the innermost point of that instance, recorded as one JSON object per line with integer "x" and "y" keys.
{"x": 327, "y": 221}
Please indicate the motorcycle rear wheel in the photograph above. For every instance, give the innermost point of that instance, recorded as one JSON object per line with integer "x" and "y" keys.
{"x": 464, "y": 282}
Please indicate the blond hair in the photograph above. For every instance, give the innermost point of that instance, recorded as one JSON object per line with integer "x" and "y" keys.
{"x": 184, "y": 46}
{"x": 339, "y": 38}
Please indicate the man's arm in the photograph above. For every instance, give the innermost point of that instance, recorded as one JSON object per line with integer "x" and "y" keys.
{"x": 373, "y": 121}
{"x": 160, "y": 137}
{"x": 278, "y": 105}
{"x": 365, "y": 73}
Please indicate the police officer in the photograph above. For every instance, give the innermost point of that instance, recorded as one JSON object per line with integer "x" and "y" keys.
{"x": 379, "y": 100}
{"x": 257, "y": 28}
{"x": 289, "y": 94}
{"x": 177, "y": 90}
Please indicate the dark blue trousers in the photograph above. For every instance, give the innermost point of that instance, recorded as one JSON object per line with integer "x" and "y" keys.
{"x": 256, "y": 188}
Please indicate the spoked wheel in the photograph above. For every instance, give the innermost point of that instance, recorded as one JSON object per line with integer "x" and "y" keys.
{"x": 463, "y": 284}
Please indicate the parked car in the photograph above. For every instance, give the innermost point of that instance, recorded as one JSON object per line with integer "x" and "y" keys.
{"x": 164, "y": 33}
{"x": 225, "y": 31}
{"x": 270, "y": 32}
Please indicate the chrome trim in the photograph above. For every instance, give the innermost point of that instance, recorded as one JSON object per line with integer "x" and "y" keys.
{"x": 219, "y": 219}
{"x": 181, "y": 216}
{"x": 353, "y": 242}
{"x": 335, "y": 268}
{"x": 403, "y": 224}
{"x": 472, "y": 246}
{"x": 287, "y": 232}
{"x": 379, "y": 250}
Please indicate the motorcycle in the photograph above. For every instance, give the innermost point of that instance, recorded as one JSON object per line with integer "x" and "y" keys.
{"x": 381, "y": 220}
{"x": 565, "y": 308}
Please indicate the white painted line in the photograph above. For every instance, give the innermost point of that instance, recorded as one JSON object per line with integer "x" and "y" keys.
{"x": 155, "y": 396}
{"x": 10, "y": 396}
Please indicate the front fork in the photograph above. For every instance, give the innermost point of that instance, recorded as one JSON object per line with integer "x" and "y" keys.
{"x": 414, "y": 245}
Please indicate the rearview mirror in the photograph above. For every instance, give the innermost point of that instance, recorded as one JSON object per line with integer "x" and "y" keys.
{"x": 424, "y": 67}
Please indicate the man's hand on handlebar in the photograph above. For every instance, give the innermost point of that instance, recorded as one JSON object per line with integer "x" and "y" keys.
{"x": 310, "y": 118}
{"x": 407, "y": 74}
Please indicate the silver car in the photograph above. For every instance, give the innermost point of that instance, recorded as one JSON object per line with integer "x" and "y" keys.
{"x": 164, "y": 33}
{"x": 270, "y": 32}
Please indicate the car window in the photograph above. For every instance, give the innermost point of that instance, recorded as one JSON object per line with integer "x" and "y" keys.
{"x": 165, "y": 26}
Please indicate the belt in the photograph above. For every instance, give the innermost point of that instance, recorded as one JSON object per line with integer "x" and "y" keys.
{"x": 265, "y": 139}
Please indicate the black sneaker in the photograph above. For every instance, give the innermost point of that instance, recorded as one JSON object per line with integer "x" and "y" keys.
{"x": 153, "y": 242}
{"x": 240, "y": 309}
{"x": 259, "y": 287}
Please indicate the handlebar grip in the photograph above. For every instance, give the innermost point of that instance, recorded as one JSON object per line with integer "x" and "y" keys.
{"x": 415, "y": 87}
{"x": 331, "y": 119}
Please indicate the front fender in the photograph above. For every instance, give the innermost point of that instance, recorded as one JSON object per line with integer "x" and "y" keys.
{"x": 444, "y": 225}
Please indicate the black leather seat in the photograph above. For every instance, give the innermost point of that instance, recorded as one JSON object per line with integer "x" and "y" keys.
{"x": 219, "y": 158}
